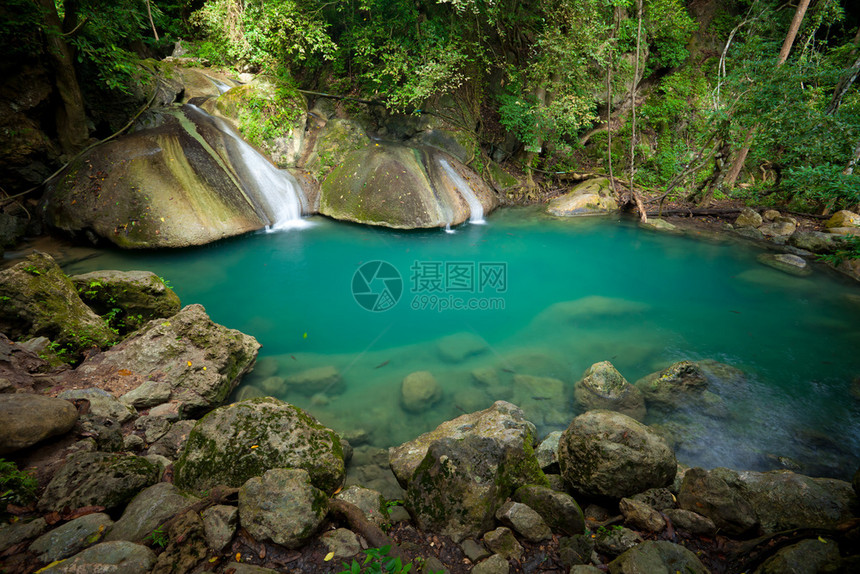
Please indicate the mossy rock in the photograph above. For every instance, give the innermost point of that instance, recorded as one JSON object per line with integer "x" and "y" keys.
{"x": 592, "y": 197}
{"x": 237, "y": 442}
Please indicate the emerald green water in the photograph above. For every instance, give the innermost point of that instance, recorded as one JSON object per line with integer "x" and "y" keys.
{"x": 577, "y": 292}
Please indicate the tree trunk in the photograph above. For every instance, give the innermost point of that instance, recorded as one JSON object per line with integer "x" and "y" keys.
{"x": 70, "y": 116}
{"x": 151, "y": 23}
{"x": 849, "y": 169}
{"x": 540, "y": 94}
{"x": 643, "y": 215}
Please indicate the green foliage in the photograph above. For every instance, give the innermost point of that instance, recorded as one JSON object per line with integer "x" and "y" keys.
{"x": 823, "y": 184}
{"x": 158, "y": 537}
{"x": 377, "y": 561}
{"x": 850, "y": 250}
{"x": 16, "y": 487}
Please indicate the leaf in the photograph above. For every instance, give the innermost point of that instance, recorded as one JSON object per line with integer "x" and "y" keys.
{"x": 328, "y": 557}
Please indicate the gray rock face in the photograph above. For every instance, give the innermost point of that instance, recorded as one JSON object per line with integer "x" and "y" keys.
{"x": 102, "y": 404}
{"x": 370, "y": 502}
{"x": 691, "y": 522}
{"x": 282, "y": 506}
{"x": 72, "y": 537}
{"x": 419, "y": 391}
{"x": 787, "y": 263}
{"x": 317, "y": 380}
{"x": 781, "y": 226}
{"x": 748, "y": 218}
{"x": 708, "y": 494}
{"x": 682, "y": 385}
{"x": 657, "y": 557}
{"x": 171, "y": 444}
{"x": 547, "y": 452}
{"x": 98, "y": 479}
{"x": 12, "y": 534}
{"x": 616, "y": 540}
{"x": 147, "y": 510}
{"x": 108, "y": 558}
{"x": 502, "y": 541}
{"x": 592, "y": 197}
{"x": 201, "y": 360}
{"x": 27, "y": 419}
{"x": 806, "y": 557}
{"x": 524, "y": 520}
{"x": 558, "y": 509}
{"x": 843, "y": 218}
{"x": 219, "y": 523}
{"x": 656, "y": 498}
{"x": 603, "y": 387}
{"x": 243, "y": 440}
{"x": 641, "y": 516}
{"x": 610, "y": 454}
{"x": 814, "y": 241}
{"x": 495, "y": 564}
{"x": 149, "y": 394}
{"x": 344, "y": 543}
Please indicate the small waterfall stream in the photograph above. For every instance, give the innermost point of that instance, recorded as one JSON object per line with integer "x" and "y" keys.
{"x": 476, "y": 209}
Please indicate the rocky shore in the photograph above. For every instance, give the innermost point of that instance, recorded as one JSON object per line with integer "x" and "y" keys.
{"x": 113, "y": 398}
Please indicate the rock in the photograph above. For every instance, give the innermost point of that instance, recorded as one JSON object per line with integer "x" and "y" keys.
{"x": 786, "y": 262}
{"x": 39, "y": 300}
{"x": 682, "y": 385}
{"x": 71, "y": 537}
{"x": 851, "y": 268}
{"x": 495, "y": 564}
{"x": 708, "y": 494}
{"x": 107, "y": 558}
{"x": 395, "y": 186}
{"x": 547, "y": 452}
{"x": 750, "y": 233}
{"x": 748, "y": 218}
{"x": 243, "y": 440}
{"x": 432, "y": 565}
{"x": 524, "y": 520}
{"x": 201, "y": 360}
{"x": 474, "y": 551}
{"x": 318, "y": 380}
{"x": 282, "y": 506}
{"x": 616, "y": 540}
{"x": 603, "y": 387}
{"x": 657, "y": 224}
{"x": 132, "y": 442}
{"x": 806, "y": 557}
{"x": 502, "y": 541}
{"x": 691, "y": 522}
{"x": 656, "y": 498}
{"x": 779, "y": 227}
{"x": 153, "y": 427}
{"x": 576, "y": 549}
{"x": 657, "y": 557}
{"x": 610, "y": 454}
{"x": 98, "y": 479}
{"x": 243, "y": 568}
{"x": 186, "y": 545}
{"x": 27, "y": 419}
{"x": 17, "y": 532}
{"x": 344, "y": 543}
{"x": 370, "y": 502}
{"x": 173, "y": 441}
{"x": 544, "y": 397}
{"x": 558, "y": 510}
{"x": 148, "y": 510}
{"x": 419, "y": 391}
{"x": 585, "y": 569}
{"x": 219, "y": 523}
{"x": 149, "y": 394}
{"x": 814, "y": 241}
{"x": 843, "y": 218}
{"x": 102, "y": 404}
{"x": 591, "y": 308}
{"x": 140, "y": 296}
{"x": 591, "y": 197}
{"x": 486, "y": 377}
{"x": 641, "y": 516}
{"x": 335, "y": 140}
{"x": 842, "y": 232}
{"x": 458, "y": 347}
{"x": 168, "y": 411}
{"x": 770, "y": 214}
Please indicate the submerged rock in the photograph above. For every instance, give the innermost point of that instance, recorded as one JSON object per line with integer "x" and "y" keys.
{"x": 419, "y": 391}
{"x": 317, "y": 380}
{"x": 458, "y": 347}
{"x": 27, "y": 419}
{"x": 603, "y": 387}
{"x": 592, "y": 197}
{"x": 593, "y": 307}
{"x": 684, "y": 384}
{"x": 786, "y": 262}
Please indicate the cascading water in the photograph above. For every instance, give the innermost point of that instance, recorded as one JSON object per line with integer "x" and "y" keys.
{"x": 476, "y": 209}
{"x": 222, "y": 86}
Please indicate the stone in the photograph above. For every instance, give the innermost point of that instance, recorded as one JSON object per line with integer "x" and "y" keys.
{"x": 843, "y": 231}
{"x": 419, "y": 391}
{"x": 153, "y": 427}
{"x": 133, "y": 442}
{"x": 591, "y": 197}
{"x": 219, "y": 524}
{"x": 641, "y": 516}
{"x": 585, "y": 569}
{"x": 592, "y": 308}
{"x": 806, "y": 557}
{"x": 502, "y": 541}
{"x": 186, "y": 545}
{"x": 344, "y": 543}
{"x": 545, "y": 398}
{"x": 458, "y": 347}
{"x": 244, "y": 568}
{"x": 786, "y": 262}
{"x": 17, "y": 532}
{"x": 748, "y": 218}
{"x": 780, "y": 227}
{"x": 813, "y": 241}
{"x": 102, "y": 404}
{"x": 603, "y": 387}
{"x": 558, "y": 509}
{"x": 317, "y": 380}
{"x": 148, "y": 509}
{"x": 770, "y": 214}
{"x": 576, "y": 549}
{"x": 201, "y": 360}
{"x": 610, "y": 454}
{"x": 843, "y": 218}
{"x": 708, "y": 494}
{"x": 98, "y": 479}
{"x": 657, "y": 224}
{"x": 27, "y": 419}
{"x": 524, "y": 520}
{"x": 657, "y": 557}
{"x": 39, "y": 300}
{"x": 686, "y": 385}
{"x": 282, "y": 506}
{"x": 108, "y": 558}
{"x": 149, "y": 394}
{"x": 616, "y": 540}
{"x": 750, "y": 233}
{"x": 656, "y": 498}
{"x": 71, "y": 537}
{"x": 370, "y": 502}
{"x": 495, "y": 564}
{"x": 474, "y": 551}
{"x": 171, "y": 444}
{"x": 243, "y": 440}
{"x": 691, "y": 522}
{"x": 547, "y": 452}
{"x": 486, "y": 377}
{"x": 140, "y": 296}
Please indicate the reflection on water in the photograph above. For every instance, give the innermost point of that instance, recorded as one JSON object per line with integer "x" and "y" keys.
{"x": 574, "y": 293}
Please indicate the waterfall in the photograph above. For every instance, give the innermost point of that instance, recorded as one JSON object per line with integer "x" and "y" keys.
{"x": 222, "y": 86}
{"x": 476, "y": 209}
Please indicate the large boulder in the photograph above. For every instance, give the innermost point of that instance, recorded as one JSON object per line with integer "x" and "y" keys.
{"x": 71, "y": 537}
{"x": 404, "y": 187}
{"x": 237, "y": 442}
{"x": 128, "y": 298}
{"x": 419, "y": 391}
{"x": 806, "y": 557}
{"x": 27, "y": 419}
{"x": 201, "y": 360}
{"x": 592, "y": 197}
{"x": 558, "y": 509}
{"x": 843, "y": 218}
{"x": 603, "y": 387}
{"x": 748, "y": 217}
{"x": 610, "y": 454}
{"x": 107, "y": 558}
{"x": 657, "y": 557}
{"x": 708, "y": 493}
{"x": 685, "y": 384}
{"x": 38, "y": 300}
{"x": 148, "y": 510}
{"x": 787, "y": 263}
{"x": 334, "y": 141}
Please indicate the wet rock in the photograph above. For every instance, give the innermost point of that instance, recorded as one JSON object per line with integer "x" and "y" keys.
{"x": 474, "y": 551}
{"x": 458, "y": 347}
{"x": 282, "y": 506}
{"x": 748, "y": 218}
{"x": 780, "y": 227}
{"x": 502, "y": 541}
{"x": 813, "y": 241}
{"x": 524, "y": 521}
{"x": 806, "y": 557}
{"x": 201, "y": 360}
{"x": 843, "y": 232}
{"x": 616, "y": 540}
{"x": 17, "y": 532}
{"x": 641, "y": 516}
{"x": 98, "y": 479}
{"x": 547, "y": 452}
{"x": 171, "y": 444}
{"x": 370, "y": 502}
{"x": 610, "y": 454}
{"x": 657, "y": 224}
{"x": 335, "y": 140}
{"x": 591, "y": 197}
{"x": 108, "y": 558}
{"x": 148, "y": 510}
{"x": 684, "y": 384}
{"x": 657, "y": 557}
{"x": 318, "y": 380}
{"x": 149, "y": 394}
{"x": 486, "y": 377}
{"x": 71, "y": 537}
{"x": 559, "y": 510}
{"x": 419, "y": 391}
{"x": 603, "y": 387}
{"x": 576, "y": 549}
{"x": 591, "y": 308}
{"x": 708, "y": 494}
{"x": 843, "y": 218}
{"x": 27, "y": 419}
{"x": 239, "y": 441}
{"x": 543, "y": 397}
{"x": 102, "y": 404}
{"x": 786, "y": 262}
{"x": 750, "y": 233}
{"x": 495, "y": 564}
{"x": 691, "y": 522}
{"x": 219, "y": 524}
{"x": 344, "y": 543}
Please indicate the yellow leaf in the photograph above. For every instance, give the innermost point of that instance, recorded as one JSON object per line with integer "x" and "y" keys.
{"x": 255, "y": 446}
{"x": 204, "y": 368}
{"x": 820, "y": 539}
{"x": 329, "y": 556}
{"x": 189, "y": 363}
{"x": 238, "y": 557}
